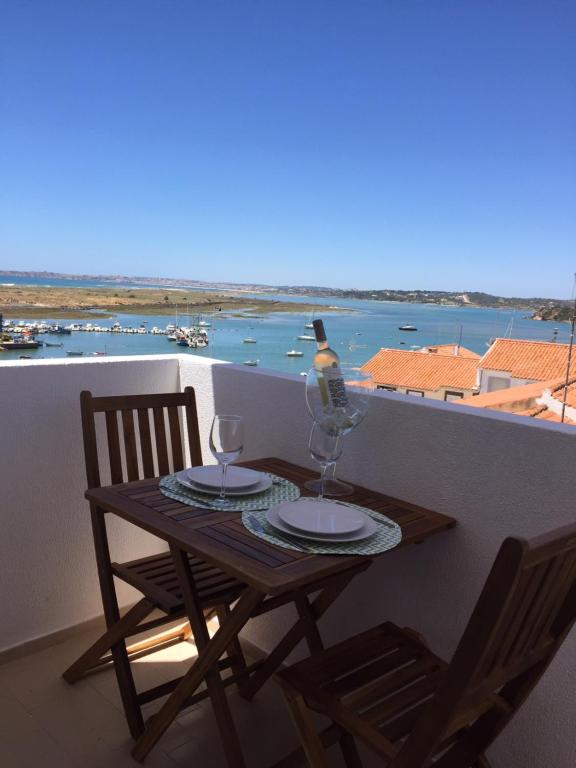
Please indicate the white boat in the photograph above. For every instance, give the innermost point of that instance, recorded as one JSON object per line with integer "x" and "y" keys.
{"x": 306, "y": 337}
{"x": 294, "y": 353}
{"x": 251, "y": 362}
{"x": 204, "y": 324}
{"x": 249, "y": 340}
{"x": 407, "y": 328}
{"x": 309, "y": 325}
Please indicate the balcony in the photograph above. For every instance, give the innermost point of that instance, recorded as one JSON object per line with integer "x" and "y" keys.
{"x": 496, "y": 473}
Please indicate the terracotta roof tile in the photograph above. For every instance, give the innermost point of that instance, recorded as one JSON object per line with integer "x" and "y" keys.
{"x": 412, "y": 369}
{"x": 509, "y": 397}
{"x": 449, "y": 349}
{"x": 539, "y": 360}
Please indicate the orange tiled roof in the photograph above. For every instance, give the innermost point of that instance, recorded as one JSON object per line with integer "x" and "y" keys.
{"x": 558, "y": 393}
{"x": 449, "y": 349}
{"x": 412, "y": 369}
{"x": 511, "y": 398}
{"x": 539, "y": 360}
{"x": 525, "y": 400}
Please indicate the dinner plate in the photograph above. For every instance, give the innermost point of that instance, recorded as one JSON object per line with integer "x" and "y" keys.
{"x": 237, "y": 478}
{"x": 263, "y": 485}
{"x": 368, "y": 529}
{"x": 323, "y": 517}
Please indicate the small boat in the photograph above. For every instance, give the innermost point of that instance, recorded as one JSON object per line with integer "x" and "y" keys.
{"x": 19, "y": 344}
{"x": 204, "y": 324}
{"x": 51, "y": 344}
{"x": 74, "y": 353}
{"x": 306, "y": 337}
{"x": 24, "y": 357}
{"x": 251, "y": 362}
{"x": 407, "y": 328}
{"x": 309, "y": 325}
{"x": 294, "y": 353}
{"x": 249, "y": 340}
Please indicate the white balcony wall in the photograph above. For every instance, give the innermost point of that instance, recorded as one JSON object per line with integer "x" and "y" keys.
{"x": 497, "y": 474}
{"x": 48, "y": 576}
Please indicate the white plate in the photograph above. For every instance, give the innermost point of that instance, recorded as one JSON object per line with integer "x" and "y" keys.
{"x": 369, "y": 528}
{"x": 323, "y": 517}
{"x": 237, "y": 478}
{"x": 262, "y": 486}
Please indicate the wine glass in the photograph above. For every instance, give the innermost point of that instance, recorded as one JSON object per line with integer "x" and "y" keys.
{"x": 339, "y": 404}
{"x": 325, "y": 448}
{"x": 226, "y": 444}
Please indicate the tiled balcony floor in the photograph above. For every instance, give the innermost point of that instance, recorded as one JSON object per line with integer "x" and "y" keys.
{"x": 46, "y": 723}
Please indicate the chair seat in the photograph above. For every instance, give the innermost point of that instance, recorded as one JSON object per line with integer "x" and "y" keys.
{"x": 377, "y": 682}
{"x": 156, "y": 578}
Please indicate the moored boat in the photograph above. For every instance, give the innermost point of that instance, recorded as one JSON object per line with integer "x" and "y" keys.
{"x": 407, "y": 328}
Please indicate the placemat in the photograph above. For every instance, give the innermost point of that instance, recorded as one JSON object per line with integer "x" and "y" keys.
{"x": 280, "y": 490}
{"x": 387, "y": 536}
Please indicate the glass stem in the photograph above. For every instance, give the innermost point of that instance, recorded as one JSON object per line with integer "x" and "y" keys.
{"x": 322, "y": 480}
{"x": 223, "y": 486}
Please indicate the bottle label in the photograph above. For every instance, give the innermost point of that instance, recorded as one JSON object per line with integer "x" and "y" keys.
{"x": 336, "y": 387}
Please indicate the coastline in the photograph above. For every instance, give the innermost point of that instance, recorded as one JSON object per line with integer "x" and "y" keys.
{"x": 88, "y": 303}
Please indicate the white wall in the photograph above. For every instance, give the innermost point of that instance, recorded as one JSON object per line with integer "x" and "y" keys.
{"x": 498, "y": 474}
{"x": 48, "y": 577}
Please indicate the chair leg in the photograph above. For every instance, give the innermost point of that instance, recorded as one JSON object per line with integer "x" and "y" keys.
{"x": 309, "y": 736}
{"x": 350, "y": 751}
{"x": 119, "y": 631}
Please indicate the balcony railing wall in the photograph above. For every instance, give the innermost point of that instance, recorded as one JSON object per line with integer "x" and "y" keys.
{"x": 497, "y": 474}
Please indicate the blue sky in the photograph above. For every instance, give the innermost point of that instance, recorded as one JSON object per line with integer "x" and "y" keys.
{"x": 368, "y": 143}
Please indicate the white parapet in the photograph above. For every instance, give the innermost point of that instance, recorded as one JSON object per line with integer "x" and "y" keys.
{"x": 497, "y": 474}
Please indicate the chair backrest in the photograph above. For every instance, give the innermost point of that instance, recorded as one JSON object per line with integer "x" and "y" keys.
{"x": 525, "y": 611}
{"x": 143, "y": 434}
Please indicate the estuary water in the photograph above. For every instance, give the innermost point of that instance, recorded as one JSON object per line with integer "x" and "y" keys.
{"x": 356, "y": 331}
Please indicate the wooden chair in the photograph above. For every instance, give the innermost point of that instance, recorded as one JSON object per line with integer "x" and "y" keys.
{"x": 387, "y": 689}
{"x": 133, "y": 454}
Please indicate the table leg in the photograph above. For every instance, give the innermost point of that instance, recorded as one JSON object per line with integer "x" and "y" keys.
{"x": 207, "y": 658}
{"x": 228, "y": 734}
{"x": 305, "y": 627}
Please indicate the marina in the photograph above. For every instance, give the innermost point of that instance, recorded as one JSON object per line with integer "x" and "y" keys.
{"x": 357, "y": 332}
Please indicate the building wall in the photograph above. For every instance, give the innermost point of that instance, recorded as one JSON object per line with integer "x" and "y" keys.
{"x": 491, "y": 471}
{"x": 486, "y": 375}
{"x": 433, "y": 394}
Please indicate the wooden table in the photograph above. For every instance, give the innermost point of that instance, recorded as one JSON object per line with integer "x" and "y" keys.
{"x": 273, "y": 575}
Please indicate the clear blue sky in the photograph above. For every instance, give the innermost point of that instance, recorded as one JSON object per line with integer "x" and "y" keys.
{"x": 366, "y": 143}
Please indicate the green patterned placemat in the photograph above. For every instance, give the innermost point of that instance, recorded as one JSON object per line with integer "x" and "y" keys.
{"x": 280, "y": 490}
{"x": 387, "y": 536}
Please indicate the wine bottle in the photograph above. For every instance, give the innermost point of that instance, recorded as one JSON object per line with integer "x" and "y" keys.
{"x": 327, "y": 365}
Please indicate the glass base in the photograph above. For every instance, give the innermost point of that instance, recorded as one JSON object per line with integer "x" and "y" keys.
{"x": 331, "y": 487}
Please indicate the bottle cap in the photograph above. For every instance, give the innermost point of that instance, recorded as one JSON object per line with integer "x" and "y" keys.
{"x": 319, "y": 330}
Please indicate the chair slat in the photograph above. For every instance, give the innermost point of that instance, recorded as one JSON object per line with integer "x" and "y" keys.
{"x": 146, "y": 442}
{"x": 161, "y": 446}
{"x": 175, "y": 439}
{"x": 114, "y": 454}
{"x": 130, "y": 445}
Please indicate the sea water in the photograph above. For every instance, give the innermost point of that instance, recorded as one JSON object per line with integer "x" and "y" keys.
{"x": 357, "y": 330}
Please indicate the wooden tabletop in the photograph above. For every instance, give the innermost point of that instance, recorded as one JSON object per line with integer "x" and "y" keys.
{"x": 221, "y": 539}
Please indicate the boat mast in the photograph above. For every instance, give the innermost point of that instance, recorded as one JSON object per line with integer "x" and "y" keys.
{"x": 573, "y": 321}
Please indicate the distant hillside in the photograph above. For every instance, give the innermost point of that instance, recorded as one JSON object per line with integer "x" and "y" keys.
{"x": 542, "y": 308}
{"x": 557, "y": 313}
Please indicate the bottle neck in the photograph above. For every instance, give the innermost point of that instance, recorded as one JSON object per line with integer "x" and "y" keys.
{"x": 322, "y": 345}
